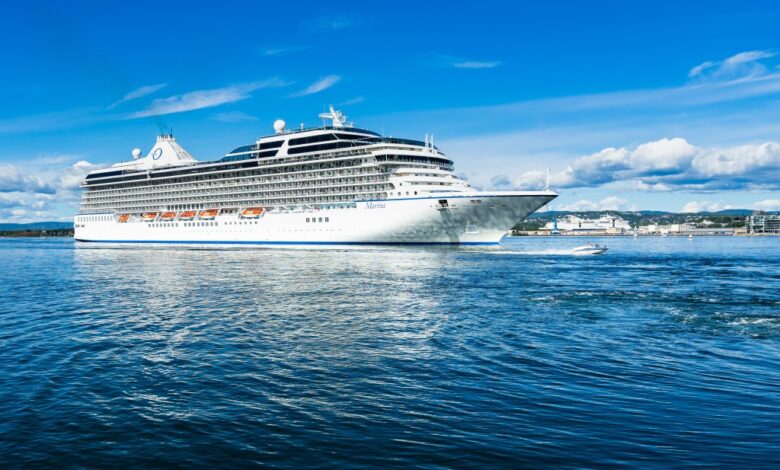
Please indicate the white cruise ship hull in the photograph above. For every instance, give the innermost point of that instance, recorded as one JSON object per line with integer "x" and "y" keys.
{"x": 479, "y": 218}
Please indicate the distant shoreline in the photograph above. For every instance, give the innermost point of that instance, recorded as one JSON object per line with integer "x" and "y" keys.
{"x": 650, "y": 235}
{"x": 58, "y": 232}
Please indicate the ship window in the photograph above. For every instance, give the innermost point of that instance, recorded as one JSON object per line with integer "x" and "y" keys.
{"x": 327, "y": 219}
{"x": 313, "y": 139}
{"x": 307, "y": 220}
{"x": 320, "y": 219}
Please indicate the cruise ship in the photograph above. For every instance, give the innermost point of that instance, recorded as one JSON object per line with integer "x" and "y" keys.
{"x": 330, "y": 185}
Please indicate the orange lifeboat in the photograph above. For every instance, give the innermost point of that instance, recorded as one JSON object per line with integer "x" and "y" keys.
{"x": 252, "y": 212}
{"x": 168, "y": 216}
{"x": 208, "y": 214}
{"x": 187, "y": 215}
{"x": 124, "y": 218}
{"x": 149, "y": 216}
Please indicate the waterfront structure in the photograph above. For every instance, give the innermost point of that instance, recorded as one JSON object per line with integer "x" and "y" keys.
{"x": 760, "y": 223}
{"x": 668, "y": 229}
{"x": 687, "y": 229}
{"x": 606, "y": 224}
{"x": 332, "y": 184}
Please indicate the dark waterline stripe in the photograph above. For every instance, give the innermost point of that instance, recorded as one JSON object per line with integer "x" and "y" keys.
{"x": 218, "y": 242}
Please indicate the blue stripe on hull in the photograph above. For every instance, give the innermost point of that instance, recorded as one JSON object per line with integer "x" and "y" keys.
{"x": 214, "y": 242}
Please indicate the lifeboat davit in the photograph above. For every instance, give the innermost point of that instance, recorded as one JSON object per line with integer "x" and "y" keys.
{"x": 124, "y": 218}
{"x": 187, "y": 215}
{"x": 168, "y": 216}
{"x": 149, "y": 216}
{"x": 208, "y": 214}
{"x": 252, "y": 212}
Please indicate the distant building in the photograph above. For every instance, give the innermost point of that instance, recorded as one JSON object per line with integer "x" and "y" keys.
{"x": 573, "y": 224}
{"x": 763, "y": 223}
{"x": 670, "y": 229}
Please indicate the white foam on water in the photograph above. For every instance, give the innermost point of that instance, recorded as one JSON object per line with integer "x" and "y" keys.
{"x": 548, "y": 252}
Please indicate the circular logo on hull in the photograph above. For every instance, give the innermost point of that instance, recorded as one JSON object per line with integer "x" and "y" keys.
{"x": 157, "y": 154}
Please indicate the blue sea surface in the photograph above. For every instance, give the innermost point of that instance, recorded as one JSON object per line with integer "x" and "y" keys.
{"x": 661, "y": 352}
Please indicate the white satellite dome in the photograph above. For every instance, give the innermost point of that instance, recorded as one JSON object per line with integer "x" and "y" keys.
{"x": 279, "y": 126}
{"x": 136, "y": 153}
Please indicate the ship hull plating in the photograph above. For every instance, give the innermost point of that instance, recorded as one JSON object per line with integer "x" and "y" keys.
{"x": 467, "y": 219}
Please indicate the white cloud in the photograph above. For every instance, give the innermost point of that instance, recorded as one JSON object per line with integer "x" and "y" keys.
{"x": 13, "y": 179}
{"x": 331, "y": 22}
{"x": 738, "y": 161}
{"x": 26, "y": 199}
{"x": 21, "y": 216}
{"x": 71, "y": 177}
{"x": 704, "y": 206}
{"x": 278, "y": 51}
{"x": 636, "y": 185}
{"x": 501, "y": 182}
{"x": 696, "y": 71}
{"x": 611, "y": 203}
{"x": 472, "y": 64}
{"x": 744, "y": 64}
{"x": 16, "y": 200}
{"x": 138, "y": 93}
{"x": 661, "y": 155}
{"x": 234, "y": 116}
{"x": 355, "y": 100}
{"x": 669, "y": 164}
{"x": 200, "y": 99}
{"x": 320, "y": 85}
{"x": 769, "y": 205}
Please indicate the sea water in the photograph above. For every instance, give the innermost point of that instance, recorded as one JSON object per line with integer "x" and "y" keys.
{"x": 660, "y": 352}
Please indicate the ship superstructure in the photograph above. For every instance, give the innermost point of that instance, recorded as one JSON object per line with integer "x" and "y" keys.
{"x": 331, "y": 184}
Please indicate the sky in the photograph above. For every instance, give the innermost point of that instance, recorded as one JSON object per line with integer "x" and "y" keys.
{"x": 642, "y": 105}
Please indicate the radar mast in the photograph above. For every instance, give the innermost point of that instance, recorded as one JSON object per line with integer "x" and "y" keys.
{"x": 337, "y": 118}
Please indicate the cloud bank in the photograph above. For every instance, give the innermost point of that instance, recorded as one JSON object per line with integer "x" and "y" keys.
{"x": 669, "y": 164}
{"x": 25, "y": 198}
{"x": 770, "y": 205}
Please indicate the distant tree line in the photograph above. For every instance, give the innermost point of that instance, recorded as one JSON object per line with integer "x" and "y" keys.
{"x": 56, "y": 232}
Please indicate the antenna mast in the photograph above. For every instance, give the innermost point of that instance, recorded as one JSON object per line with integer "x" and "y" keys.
{"x": 547, "y": 179}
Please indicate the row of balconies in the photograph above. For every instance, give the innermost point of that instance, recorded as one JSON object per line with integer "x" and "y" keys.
{"x": 219, "y": 191}
{"x": 237, "y": 180}
{"x": 207, "y": 202}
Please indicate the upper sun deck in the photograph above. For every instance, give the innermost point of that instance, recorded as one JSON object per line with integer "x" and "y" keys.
{"x": 167, "y": 157}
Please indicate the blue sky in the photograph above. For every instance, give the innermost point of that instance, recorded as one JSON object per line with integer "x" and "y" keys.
{"x": 646, "y": 105}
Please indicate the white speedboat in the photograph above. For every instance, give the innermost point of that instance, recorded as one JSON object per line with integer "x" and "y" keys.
{"x": 589, "y": 249}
